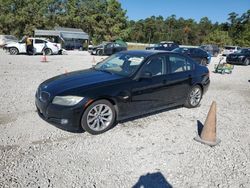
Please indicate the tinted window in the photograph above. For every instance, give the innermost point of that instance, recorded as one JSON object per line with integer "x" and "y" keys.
{"x": 229, "y": 47}
{"x": 109, "y": 45}
{"x": 201, "y": 52}
{"x": 38, "y": 41}
{"x": 179, "y": 64}
{"x": 117, "y": 45}
{"x": 154, "y": 66}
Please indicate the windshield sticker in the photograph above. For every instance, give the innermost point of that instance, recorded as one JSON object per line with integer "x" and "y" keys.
{"x": 135, "y": 60}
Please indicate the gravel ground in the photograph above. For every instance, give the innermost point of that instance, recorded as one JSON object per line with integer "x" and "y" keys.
{"x": 154, "y": 151}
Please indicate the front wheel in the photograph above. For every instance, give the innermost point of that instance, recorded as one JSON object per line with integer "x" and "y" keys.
{"x": 99, "y": 52}
{"x": 98, "y": 117}
{"x": 194, "y": 97}
{"x": 13, "y": 51}
{"x": 246, "y": 62}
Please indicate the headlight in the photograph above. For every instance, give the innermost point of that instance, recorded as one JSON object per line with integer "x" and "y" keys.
{"x": 67, "y": 100}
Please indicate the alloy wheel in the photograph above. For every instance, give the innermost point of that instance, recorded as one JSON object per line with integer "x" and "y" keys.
{"x": 195, "y": 96}
{"x": 13, "y": 51}
{"x": 99, "y": 117}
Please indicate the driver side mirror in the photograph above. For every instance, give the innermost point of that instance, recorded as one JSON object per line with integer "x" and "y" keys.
{"x": 146, "y": 75}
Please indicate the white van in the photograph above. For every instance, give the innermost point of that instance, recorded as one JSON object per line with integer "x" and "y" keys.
{"x": 229, "y": 50}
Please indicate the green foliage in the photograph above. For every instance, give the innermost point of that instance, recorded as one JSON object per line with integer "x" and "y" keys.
{"x": 218, "y": 37}
{"x": 106, "y": 20}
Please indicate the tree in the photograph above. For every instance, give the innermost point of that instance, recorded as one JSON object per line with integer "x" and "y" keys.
{"x": 218, "y": 37}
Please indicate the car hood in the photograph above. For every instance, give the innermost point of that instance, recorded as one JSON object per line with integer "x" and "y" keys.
{"x": 78, "y": 79}
{"x": 9, "y": 44}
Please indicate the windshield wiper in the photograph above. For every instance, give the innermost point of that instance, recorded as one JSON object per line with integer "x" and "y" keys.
{"x": 103, "y": 70}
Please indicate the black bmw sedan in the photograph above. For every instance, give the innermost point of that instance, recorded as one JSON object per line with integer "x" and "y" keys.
{"x": 197, "y": 54}
{"x": 241, "y": 56}
{"x": 126, "y": 84}
{"x": 108, "y": 48}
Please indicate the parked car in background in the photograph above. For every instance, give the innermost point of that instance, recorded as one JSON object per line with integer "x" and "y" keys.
{"x": 107, "y": 48}
{"x": 211, "y": 48}
{"x": 40, "y": 46}
{"x": 6, "y": 39}
{"x": 242, "y": 57}
{"x": 197, "y": 54}
{"x": 229, "y": 50}
{"x": 124, "y": 85}
{"x": 166, "y": 46}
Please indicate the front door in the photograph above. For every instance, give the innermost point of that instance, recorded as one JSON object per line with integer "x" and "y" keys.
{"x": 147, "y": 94}
{"x": 38, "y": 45}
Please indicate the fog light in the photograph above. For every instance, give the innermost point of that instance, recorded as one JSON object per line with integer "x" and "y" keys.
{"x": 64, "y": 121}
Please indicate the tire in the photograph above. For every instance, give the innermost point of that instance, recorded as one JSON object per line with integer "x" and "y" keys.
{"x": 194, "y": 97}
{"x": 13, "y": 51}
{"x": 246, "y": 62}
{"x": 99, "y": 52}
{"x": 204, "y": 61}
{"x": 48, "y": 51}
{"x": 98, "y": 117}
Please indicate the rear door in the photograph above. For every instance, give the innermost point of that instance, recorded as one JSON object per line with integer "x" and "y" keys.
{"x": 39, "y": 45}
{"x": 179, "y": 78}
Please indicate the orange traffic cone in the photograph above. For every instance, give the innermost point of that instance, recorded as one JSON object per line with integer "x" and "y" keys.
{"x": 44, "y": 58}
{"x": 208, "y": 133}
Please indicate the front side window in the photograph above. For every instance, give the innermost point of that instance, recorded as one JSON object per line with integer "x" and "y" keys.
{"x": 38, "y": 41}
{"x": 154, "y": 66}
{"x": 179, "y": 64}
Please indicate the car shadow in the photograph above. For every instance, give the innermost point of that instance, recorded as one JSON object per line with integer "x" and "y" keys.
{"x": 81, "y": 130}
{"x": 154, "y": 180}
{"x": 199, "y": 127}
{"x": 149, "y": 114}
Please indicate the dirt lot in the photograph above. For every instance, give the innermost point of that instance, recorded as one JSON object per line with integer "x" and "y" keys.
{"x": 156, "y": 150}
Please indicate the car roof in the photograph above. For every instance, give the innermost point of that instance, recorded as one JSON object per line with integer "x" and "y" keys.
{"x": 147, "y": 53}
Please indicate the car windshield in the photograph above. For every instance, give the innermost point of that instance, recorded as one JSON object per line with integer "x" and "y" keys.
{"x": 121, "y": 64}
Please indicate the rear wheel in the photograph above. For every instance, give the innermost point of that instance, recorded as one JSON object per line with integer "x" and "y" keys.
{"x": 194, "y": 97}
{"x": 13, "y": 51}
{"x": 204, "y": 61}
{"x": 246, "y": 62}
{"x": 98, "y": 117}
{"x": 48, "y": 51}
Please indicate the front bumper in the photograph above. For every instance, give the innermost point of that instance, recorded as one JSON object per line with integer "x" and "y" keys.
{"x": 67, "y": 118}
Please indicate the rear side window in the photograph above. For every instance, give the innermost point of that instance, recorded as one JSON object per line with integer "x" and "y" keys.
{"x": 179, "y": 64}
